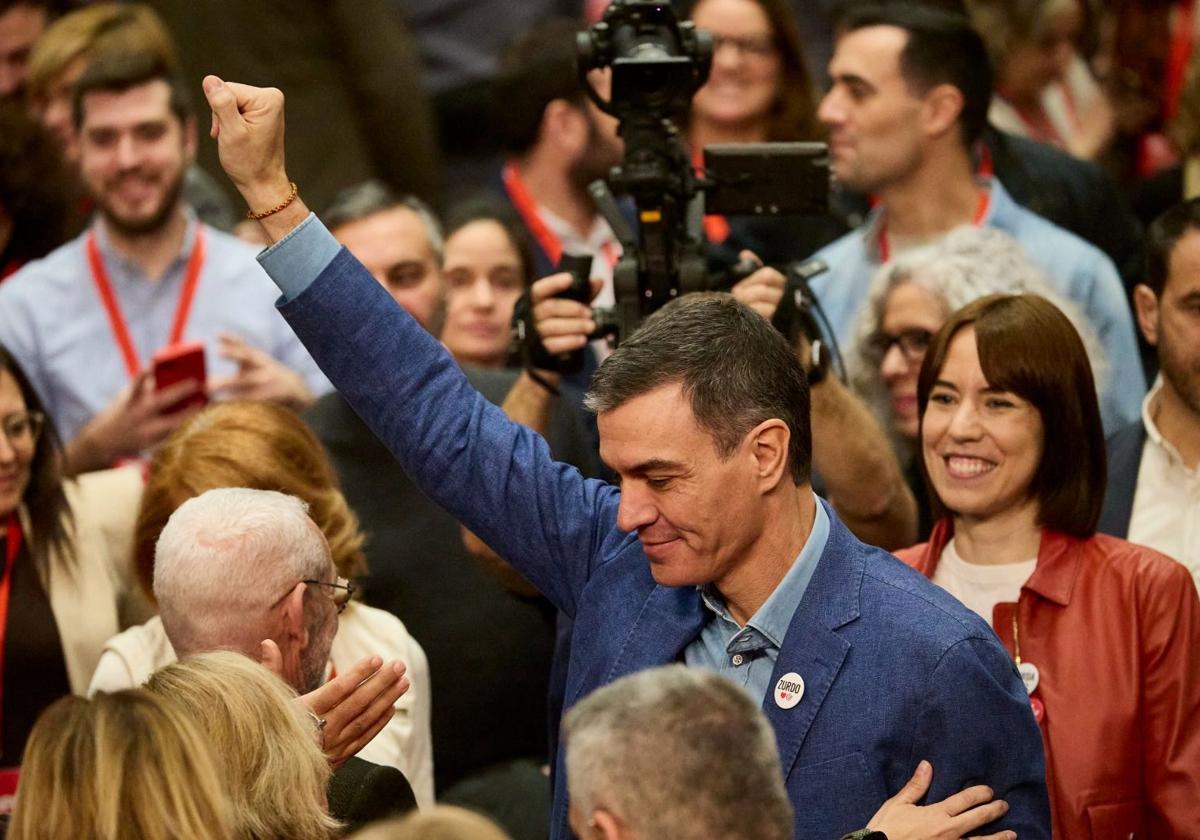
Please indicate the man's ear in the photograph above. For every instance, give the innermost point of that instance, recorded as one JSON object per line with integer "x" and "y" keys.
{"x": 1145, "y": 304}
{"x": 294, "y": 627}
{"x": 941, "y": 108}
{"x": 608, "y": 826}
{"x": 566, "y": 126}
{"x": 768, "y": 443}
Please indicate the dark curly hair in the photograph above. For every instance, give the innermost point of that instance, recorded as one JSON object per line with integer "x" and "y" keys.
{"x": 38, "y": 192}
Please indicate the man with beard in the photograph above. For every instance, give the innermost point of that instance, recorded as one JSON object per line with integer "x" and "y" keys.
{"x": 248, "y": 571}
{"x": 86, "y": 320}
{"x": 557, "y": 143}
{"x": 1154, "y": 463}
{"x": 908, "y": 102}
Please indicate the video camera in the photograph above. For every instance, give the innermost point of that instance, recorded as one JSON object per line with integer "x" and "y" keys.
{"x": 657, "y": 65}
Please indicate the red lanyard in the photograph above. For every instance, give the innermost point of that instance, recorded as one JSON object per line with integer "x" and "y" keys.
{"x": 981, "y": 209}
{"x": 11, "y": 550}
{"x": 526, "y": 208}
{"x": 109, "y": 298}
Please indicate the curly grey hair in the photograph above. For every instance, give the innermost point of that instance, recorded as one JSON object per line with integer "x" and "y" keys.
{"x": 967, "y": 264}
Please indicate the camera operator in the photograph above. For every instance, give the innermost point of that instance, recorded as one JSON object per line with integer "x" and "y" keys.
{"x": 556, "y": 142}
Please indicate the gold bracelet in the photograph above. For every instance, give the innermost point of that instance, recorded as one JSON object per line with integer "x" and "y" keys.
{"x": 250, "y": 214}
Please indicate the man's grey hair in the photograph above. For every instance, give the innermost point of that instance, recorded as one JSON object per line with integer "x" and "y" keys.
{"x": 227, "y": 556}
{"x": 966, "y": 264}
{"x": 677, "y": 752}
{"x": 370, "y": 197}
{"x": 734, "y": 367}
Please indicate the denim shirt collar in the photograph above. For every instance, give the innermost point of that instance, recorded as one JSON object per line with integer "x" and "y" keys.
{"x": 773, "y": 618}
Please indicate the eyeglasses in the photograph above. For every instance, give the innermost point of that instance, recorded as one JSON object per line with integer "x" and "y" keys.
{"x": 912, "y": 343}
{"x": 23, "y": 428}
{"x": 342, "y": 590}
{"x": 756, "y": 46}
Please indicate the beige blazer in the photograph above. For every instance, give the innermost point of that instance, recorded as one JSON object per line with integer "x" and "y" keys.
{"x": 96, "y": 594}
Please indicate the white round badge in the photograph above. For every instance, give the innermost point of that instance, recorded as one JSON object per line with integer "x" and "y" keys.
{"x": 1029, "y": 675}
{"x": 789, "y": 690}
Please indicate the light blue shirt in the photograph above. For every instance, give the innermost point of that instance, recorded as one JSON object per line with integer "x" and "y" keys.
{"x": 1077, "y": 269}
{"x": 295, "y": 261}
{"x": 747, "y": 655}
{"x": 55, "y": 326}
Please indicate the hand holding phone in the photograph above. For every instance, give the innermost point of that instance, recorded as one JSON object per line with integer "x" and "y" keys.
{"x": 179, "y": 363}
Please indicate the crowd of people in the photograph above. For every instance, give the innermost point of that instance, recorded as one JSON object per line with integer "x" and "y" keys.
{"x": 300, "y": 542}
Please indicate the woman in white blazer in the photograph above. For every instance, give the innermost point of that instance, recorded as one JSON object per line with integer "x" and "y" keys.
{"x": 66, "y": 583}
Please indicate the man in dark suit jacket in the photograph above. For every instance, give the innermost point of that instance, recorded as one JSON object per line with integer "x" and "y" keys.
{"x": 360, "y": 792}
{"x": 1153, "y": 490}
{"x": 556, "y": 142}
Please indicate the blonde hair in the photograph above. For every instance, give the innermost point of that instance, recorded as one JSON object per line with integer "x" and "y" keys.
{"x": 265, "y": 742}
{"x": 246, "y": 444}
{"x": 442, "y": 822}
{"x": 102, "y": 29}
{"x": 1006, "y": 24}
{"x": 124, "y": 766}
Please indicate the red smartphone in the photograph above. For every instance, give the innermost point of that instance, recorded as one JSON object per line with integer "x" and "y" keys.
{"x": 179, "y": 363}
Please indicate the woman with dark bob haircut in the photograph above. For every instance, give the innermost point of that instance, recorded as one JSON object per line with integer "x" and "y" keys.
{"x": 1105, "y": 634}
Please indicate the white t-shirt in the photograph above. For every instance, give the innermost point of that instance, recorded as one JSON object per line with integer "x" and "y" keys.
{"x": 981, "y": 586}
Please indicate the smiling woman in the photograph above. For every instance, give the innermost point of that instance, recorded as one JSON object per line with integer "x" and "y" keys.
{"x": 911, "y": 297}
{"x": 65, "y": 569}
{"x": 1013, "y": 452}
{"x": 759, "y": 88}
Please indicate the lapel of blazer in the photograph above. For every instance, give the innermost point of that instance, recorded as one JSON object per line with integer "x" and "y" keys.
{"x": 1124, "y": 461}
{"x": 670, "y": 618}
{"x": 812, "y": 648}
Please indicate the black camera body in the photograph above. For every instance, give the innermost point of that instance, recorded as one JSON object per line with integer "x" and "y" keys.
{"x": 657, "y": 64}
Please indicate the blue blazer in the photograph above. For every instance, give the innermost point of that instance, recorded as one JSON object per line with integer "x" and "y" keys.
{"x": 895, "y": 669}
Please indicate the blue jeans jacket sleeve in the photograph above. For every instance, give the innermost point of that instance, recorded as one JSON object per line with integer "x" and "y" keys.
{"x": 496, "y": 476}
{"x": 1002, "y": 751}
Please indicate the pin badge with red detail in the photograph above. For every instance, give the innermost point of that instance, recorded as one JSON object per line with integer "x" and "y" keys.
{"x": 789, "y": 690}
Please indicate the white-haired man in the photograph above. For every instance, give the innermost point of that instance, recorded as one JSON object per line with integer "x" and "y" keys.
{"x": 249, "y": 571}
{"x": 240, "y": 569}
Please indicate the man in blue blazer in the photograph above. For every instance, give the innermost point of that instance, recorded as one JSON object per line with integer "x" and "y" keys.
{"x": 714, "y": 551}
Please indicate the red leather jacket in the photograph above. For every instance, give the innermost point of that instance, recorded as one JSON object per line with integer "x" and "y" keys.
{"x": 1114, "y": 629}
